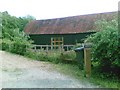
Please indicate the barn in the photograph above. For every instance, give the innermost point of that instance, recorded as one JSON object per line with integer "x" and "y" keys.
{"x": 64, "y": 31}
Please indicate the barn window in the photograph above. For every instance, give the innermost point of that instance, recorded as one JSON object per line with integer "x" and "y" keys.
{"x": 56, "y": 41}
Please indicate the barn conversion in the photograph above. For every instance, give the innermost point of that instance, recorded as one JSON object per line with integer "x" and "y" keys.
{"x": 65, "y": 31}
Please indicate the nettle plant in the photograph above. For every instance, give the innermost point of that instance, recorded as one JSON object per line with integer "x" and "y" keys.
{"x": 105, "y": 49}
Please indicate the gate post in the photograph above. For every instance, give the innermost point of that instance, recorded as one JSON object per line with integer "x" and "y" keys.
{"x": 87, "y": 60}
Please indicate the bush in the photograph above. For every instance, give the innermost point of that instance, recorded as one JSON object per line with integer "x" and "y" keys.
{"x": 4, "y": 44}
{"x": 68, "y": 55}
{"x": 15, "y": 41}
{"x": 14, "y": 47}
{"x": 105, "y": 47}
{"x": 53, "y": 56}
{"x": 13, "y": 38}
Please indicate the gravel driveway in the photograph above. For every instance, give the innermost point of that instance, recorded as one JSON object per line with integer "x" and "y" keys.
{"x": 20, "y": 72}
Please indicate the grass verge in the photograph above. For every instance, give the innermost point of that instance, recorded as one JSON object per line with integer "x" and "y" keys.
{"x": 74, "y": 71}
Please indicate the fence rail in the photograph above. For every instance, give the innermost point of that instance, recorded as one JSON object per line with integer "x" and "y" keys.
{"x": 53, "y": 47}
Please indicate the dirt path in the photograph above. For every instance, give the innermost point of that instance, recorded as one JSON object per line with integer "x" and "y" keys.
{"x": 20, "y": 72}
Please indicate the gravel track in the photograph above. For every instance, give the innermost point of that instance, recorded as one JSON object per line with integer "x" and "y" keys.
{"x": 20, "y": 72}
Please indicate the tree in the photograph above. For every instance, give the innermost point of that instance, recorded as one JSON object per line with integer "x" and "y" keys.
{"x": 24, "y": 20}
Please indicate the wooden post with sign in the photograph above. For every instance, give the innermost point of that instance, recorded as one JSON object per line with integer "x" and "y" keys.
{"x": 87, "y": 61}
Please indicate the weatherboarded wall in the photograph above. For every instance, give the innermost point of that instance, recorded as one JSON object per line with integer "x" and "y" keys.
{"x": 69, "y": 39}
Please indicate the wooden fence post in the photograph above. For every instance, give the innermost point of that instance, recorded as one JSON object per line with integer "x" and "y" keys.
{"x": 87, "y": 61}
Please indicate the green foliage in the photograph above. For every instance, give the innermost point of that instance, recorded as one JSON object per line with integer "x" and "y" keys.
{"x": 17, "y": 46}
{"x": 13, "y": 39}
{"x": 51, "y": 56}
{"x": 0, "y": 24}
{"x": 105, "y": 46}
{"x": 12, "y": 22}
{"x": 96, "y": 78}
{"x": 24, "y": 20}
{"x": 68, "y": 55}
{"x": 5, "y": 44}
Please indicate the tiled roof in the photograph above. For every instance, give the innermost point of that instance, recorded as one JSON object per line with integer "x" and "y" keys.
{"x": 74, "y": 24}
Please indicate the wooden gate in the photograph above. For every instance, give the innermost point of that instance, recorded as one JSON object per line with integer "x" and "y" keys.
{"x": 57, "y": 42}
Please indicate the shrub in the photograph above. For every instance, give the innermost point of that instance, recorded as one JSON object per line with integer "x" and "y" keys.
{"x": 15, "y": 41}
{"x": 13, "y": 38}
{"x": 44, "y": 56}
{"x": 68, "y": 55}
{"x": 105, "y": 46}
{"x": 51, "y": 56}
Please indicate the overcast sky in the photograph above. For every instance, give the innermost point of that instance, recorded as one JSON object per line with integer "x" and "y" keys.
{"x": 44, "y": 9}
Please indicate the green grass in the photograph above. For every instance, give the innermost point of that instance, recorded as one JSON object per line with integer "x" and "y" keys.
{"x": 69, "y": 69}
{"x": 74, "y": 71}
{"x": 105, "y": 82}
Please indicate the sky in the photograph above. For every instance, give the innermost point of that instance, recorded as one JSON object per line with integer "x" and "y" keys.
{"x": 47, "y": 9}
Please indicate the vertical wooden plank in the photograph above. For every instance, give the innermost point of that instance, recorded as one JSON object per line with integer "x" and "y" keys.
{"x": 35, "y": 48}
{"x": 54, "y": 43}
{"x": 67, "y": 47}
{"x": 40, "y": 47}
{"x": 62, "y": 41}
{"x": 47, "y": 48}
{"x": 59, "y": 40}
{"x": 51, "y": 43}
{"x": 62, "y": 46}
{"x": 87, "y": 62}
